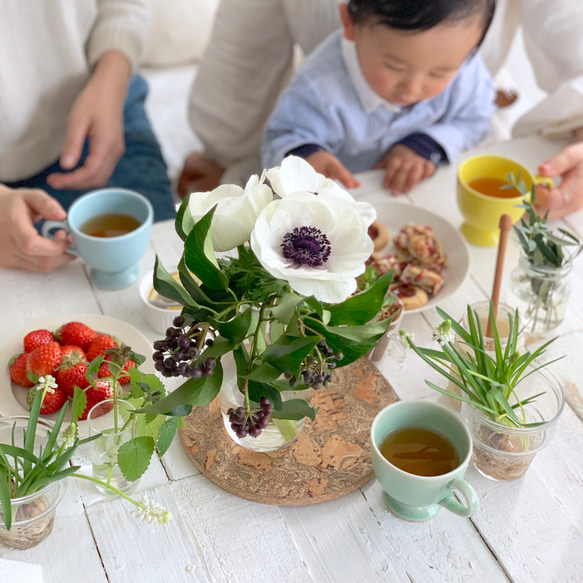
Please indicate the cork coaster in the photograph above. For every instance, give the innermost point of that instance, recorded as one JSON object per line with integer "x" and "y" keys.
{"x": 330, "y": 458}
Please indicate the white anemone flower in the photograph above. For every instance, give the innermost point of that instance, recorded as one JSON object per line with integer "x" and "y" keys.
{"x": 297, "y": 175}
{"x": 319, "y": 248}
{"x": 236, "y": 211}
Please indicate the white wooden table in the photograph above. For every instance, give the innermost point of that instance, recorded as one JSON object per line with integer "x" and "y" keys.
{"x": 527, "y": 531}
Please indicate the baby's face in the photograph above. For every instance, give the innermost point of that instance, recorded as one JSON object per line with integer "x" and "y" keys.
{"x": 407, "y": 67}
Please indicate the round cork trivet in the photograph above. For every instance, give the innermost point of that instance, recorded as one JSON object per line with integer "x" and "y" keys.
{"x": 330, "y": 458}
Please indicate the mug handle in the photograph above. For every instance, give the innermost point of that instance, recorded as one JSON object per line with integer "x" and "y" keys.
{"x": 471, "y": 498}
{"x": 548, "y": 182}
{"x": 48, "y": 226}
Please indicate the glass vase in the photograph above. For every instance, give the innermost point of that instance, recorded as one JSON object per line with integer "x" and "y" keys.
{"x": 121, "y": 428}
{"x": 279, "y": 433}
{"x": 541, "y": 293}
{"x": 503, "y": 451}
{"x": 33, "y": 515}
{"x": 482, "y": 309}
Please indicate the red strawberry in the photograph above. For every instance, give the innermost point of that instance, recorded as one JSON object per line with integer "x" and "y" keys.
{"x": 124, "y": 377}
{"x": 69, "y": 349}
{"x": 17, "y": 367}
{"x": 95, "y": 394}
{"x": 37, "y": 338}
{"x": 71, "y": 373}
{"x": 98, "y": 347}
{"x": 54, "y": 399}
{"x": 77, "y": 334}
{"x": 43, "y": 361}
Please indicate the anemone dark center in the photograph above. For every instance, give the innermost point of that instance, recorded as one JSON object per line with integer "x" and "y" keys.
{"x": 306, "y": 246}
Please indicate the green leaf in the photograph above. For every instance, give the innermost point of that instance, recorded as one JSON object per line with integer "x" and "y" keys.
{"x": 79, "y": 403}
{"x": 353, "y": 341}
{"x": 362, "y": 307}
{"x": 168, "y": 287}
{"x": 184, "y": 222}
{"x": 166, "y": 435}
{"x": 258, "y": 390}
{"x": 264, "y": 373}
{"x": 199, "y": 255}
{"x": 286, "y": 308}
{"x": 288, "y": 352}
{"x": 193, "y": 392}
{"x": 5, "y": 487}
{"x": 234, "y": 330}
{"x": 294, "y": 409}
{"x": 133, "y": 457}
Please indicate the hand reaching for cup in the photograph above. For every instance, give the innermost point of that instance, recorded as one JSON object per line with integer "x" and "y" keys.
{"x": 568, "y": 196}
{"x": 21, "y": 247}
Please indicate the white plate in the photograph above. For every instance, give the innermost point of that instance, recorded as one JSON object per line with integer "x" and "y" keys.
{"x": 13, "y": 397}
{"x": 395, "y": 215}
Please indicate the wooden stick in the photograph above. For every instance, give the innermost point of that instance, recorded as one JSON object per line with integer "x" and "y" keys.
{"x": 505, "y": 226}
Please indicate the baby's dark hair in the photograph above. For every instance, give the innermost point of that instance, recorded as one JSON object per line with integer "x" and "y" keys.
{"x": 419, "y": 15}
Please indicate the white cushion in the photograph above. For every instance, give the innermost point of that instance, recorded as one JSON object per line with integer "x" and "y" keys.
{"x": 179, "y": 31}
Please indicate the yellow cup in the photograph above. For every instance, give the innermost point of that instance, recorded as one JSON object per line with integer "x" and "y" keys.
{"x": 482, "y": 212}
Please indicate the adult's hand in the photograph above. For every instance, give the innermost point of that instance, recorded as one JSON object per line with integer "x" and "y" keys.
{"x": 568, "y": 196}
{"x": 97, "y": 114}
{"x": 199, "y": 174}
{"x": 21, "y": 247}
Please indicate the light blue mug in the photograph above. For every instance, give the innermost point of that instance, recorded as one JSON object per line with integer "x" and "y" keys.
{"x": 114, "y": 261}
{"x": 418, "y": 498}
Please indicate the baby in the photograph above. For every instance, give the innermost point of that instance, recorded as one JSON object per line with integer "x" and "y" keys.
{"x": 399, "y": 87}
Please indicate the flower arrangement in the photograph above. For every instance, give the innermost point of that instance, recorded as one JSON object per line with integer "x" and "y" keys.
{"x": 487, "y": 382}
{"x": 280, "y": 298}
{"x": 539, "y": 281}
{"x": 37, "y": 455}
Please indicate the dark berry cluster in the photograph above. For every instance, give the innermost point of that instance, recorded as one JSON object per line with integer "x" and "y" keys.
{"x": 177, "y": 354}
{"x": 316, "y": 369}
{"x": 251, "y": 422}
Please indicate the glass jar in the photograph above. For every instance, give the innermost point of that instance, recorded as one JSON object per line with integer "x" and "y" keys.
{"x": 502, "y": 451}
{"x": 104, "y": 449}
{"x": 278, "y": 434}
{"x": 541, "y": 293}
{"x": 33, "y": 515}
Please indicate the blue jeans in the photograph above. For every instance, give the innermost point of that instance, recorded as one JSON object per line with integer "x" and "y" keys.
{"x": 141, "y": 168}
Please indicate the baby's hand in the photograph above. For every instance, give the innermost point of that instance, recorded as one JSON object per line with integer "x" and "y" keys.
{"x": 404, "y": 169}
{"x": 328, "y": 165}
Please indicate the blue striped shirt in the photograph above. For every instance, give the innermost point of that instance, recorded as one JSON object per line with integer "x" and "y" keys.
{"x": 325, "y": 104}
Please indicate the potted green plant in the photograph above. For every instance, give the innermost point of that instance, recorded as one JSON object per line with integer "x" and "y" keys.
{"x": 539, "y": 284}
{"x": 267, "y": 285}
{"x": 510, "y": 403}
{"x": 35, "y": 461}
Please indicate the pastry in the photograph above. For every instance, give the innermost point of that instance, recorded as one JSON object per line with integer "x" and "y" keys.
{"x": 379, "y": 235}
{"x": 428, "y": 279}
{"x": 411, "y": 296}
{"x": 418, "y": 242}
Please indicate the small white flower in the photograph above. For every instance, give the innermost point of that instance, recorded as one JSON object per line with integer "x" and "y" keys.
{"x": 405, "y": 337}
{"x": 297, "y": 175}
{"x": 70, "y": 435}
{"x": 236, "y": 211}
{"x": 442, "y": 333}
{"x": 47, "y": 384}
{"x": 319, "y": 248}
{"x": 150, "y": 511}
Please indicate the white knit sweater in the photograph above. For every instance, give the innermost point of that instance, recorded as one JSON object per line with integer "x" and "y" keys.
{"x": 47, "y": 51}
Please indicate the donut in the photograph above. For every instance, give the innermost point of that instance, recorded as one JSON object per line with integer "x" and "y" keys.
{"x": 379, "y": 235}
{"x": 411, "y": 296}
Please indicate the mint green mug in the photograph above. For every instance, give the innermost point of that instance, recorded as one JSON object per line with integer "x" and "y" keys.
{"x": 413, "y": 497}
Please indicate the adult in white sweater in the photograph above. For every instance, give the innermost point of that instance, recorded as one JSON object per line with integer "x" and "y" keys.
{"x": 71, "y": 118}
{"x": 250, "y": 57}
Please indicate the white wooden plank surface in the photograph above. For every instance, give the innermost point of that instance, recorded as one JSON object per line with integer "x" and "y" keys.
{"x": 529, "y": 530}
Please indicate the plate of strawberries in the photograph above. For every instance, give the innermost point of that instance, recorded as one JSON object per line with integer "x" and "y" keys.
{"x": 63, "y": 348}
